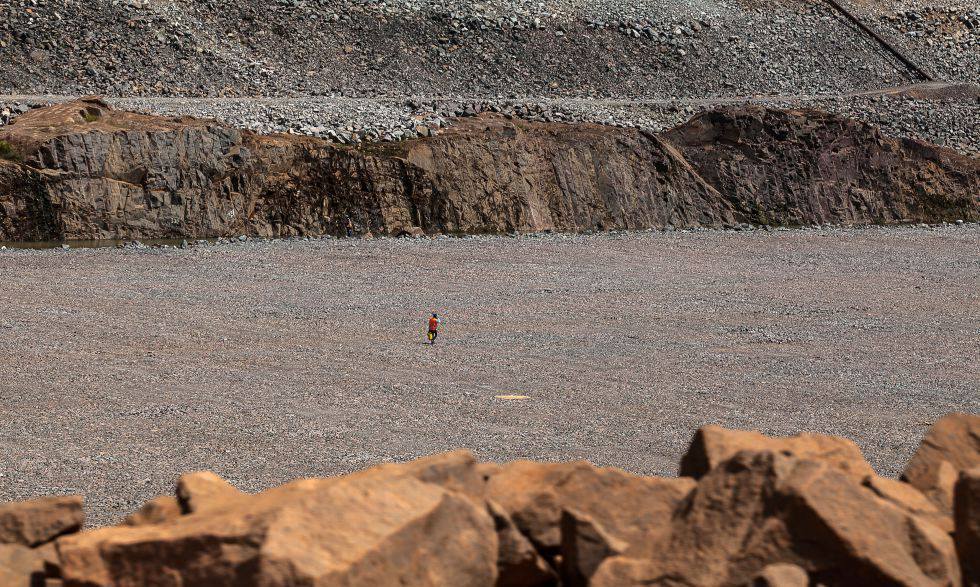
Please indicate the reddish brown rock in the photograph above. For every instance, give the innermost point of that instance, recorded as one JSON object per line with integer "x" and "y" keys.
{"x": 713, "y": 445}
{"x": 156, "y": 511}
{"x": 21, "y": 566}
{"x": 363, "y": 529}
{"x": 90, "y": 172}
{"x": 950, "y": 446}
{"x": 625, "y": 505}
{"x": 762, "y": 508}
{"x": 781, "y": 575}
{"x": 26, "y": 210}
{"x": 910, "y": 499}
{"x": 518, "y": 563}
{"x": 37, "y": 521}
{"x": 455, "y": 470}
{"x": 203, "y": 491}
{"x": 967, "y": 515}
{"x": 810, "y": 167}
{"x": 584, "y": 546}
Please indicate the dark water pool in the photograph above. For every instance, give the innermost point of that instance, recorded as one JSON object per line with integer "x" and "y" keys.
{"x": 94, "y": 244}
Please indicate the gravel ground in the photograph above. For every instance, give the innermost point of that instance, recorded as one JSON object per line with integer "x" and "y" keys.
{"x": 266, "y": 361}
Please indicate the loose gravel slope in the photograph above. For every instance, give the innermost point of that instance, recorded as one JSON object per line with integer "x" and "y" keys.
{"x": 268, "y": 361}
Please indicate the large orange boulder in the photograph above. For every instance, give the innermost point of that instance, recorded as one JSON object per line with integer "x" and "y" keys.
{"x": 455, "y": 470}
{"x": 37, "y": 521}
{"x": 21, "y": 566}
{"x": 363, "y": 529}
{"x": 585, "y": 544}
{"x": 910, "y": 499}
{"x": 156, "y": 511}
{"x": 967, "y": 514}
{"x": 762, "y": 508}
{"x": 518, "y": 563}
{"x": 203, "y": 491}
{"x": 624, "y": 505}
{"x": 781, "y": 575}
{"x": 713, "y": 445}
{"x": 950, "y": 446}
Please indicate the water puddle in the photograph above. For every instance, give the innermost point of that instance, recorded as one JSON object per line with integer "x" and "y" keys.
{"x": 99, "y": 244}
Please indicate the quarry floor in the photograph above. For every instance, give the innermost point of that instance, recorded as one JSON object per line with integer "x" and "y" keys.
{"x": 265, "y": 361}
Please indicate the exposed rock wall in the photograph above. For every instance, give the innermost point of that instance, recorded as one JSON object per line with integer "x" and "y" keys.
{"x": 26, "y": 211}
{"x": 86, "y": 171}
{"x": 805, "y": 167}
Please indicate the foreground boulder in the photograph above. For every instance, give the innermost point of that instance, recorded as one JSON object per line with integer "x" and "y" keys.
{"x": 203, "y": 491}
{"x": 584, "y": 546}
{"x": 82, "y": 170}
{"x": 21, "y": 566}
{"x": 967, "y": 513}
{"x": 537, "y": 495}
{"x": 156, "y": 511}
{"x": 952, "y": 445}
{"x": 763, "y": 508}
{"x": 910, "y": 499}
{"x": 34, "y": 522}
{"x": 713, "y": 445}
{"x": 519, "y": 564}
{"x": 358, "y": 530}
{"x": 781, "y": 575}
{"x": 784, "y": 512}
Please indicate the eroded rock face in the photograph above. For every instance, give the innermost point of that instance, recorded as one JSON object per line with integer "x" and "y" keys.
{"x": 810, "y": 167}
{"x": 26, "y": 210}
{"x": 89, "y": 172}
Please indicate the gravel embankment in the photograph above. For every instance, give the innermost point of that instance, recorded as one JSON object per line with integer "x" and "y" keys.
{"x": 452, "y": 48}
{"x": 268, "y": 361}
{"x": 948, "y": 121}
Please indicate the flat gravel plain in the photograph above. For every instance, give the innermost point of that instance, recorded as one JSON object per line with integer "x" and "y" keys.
{"x": 265, "y": 361}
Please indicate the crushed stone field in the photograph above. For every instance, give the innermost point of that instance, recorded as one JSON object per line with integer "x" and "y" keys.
{"x": 265, "y": 361}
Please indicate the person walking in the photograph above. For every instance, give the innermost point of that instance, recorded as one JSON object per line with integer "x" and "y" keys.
{"x": 433, "y": 328}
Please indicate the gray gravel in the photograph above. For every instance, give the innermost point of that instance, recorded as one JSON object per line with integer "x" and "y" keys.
{"x": 269, "y": 361}
{"x": 952, "y": 121}
{"x": 493, "y": 48}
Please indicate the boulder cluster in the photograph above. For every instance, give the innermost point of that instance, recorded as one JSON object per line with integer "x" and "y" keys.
{"x": 746, "y": 510}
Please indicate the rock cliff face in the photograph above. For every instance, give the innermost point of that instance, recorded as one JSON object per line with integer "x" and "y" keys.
{"x": 806, "y": 167}
{"x": 84, "y": 171}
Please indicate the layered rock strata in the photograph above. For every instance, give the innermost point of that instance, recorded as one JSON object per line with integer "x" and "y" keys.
{"x": 82, "y": 170}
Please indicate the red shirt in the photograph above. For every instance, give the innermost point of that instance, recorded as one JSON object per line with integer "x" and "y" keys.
{"x": 433, "y": 324}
